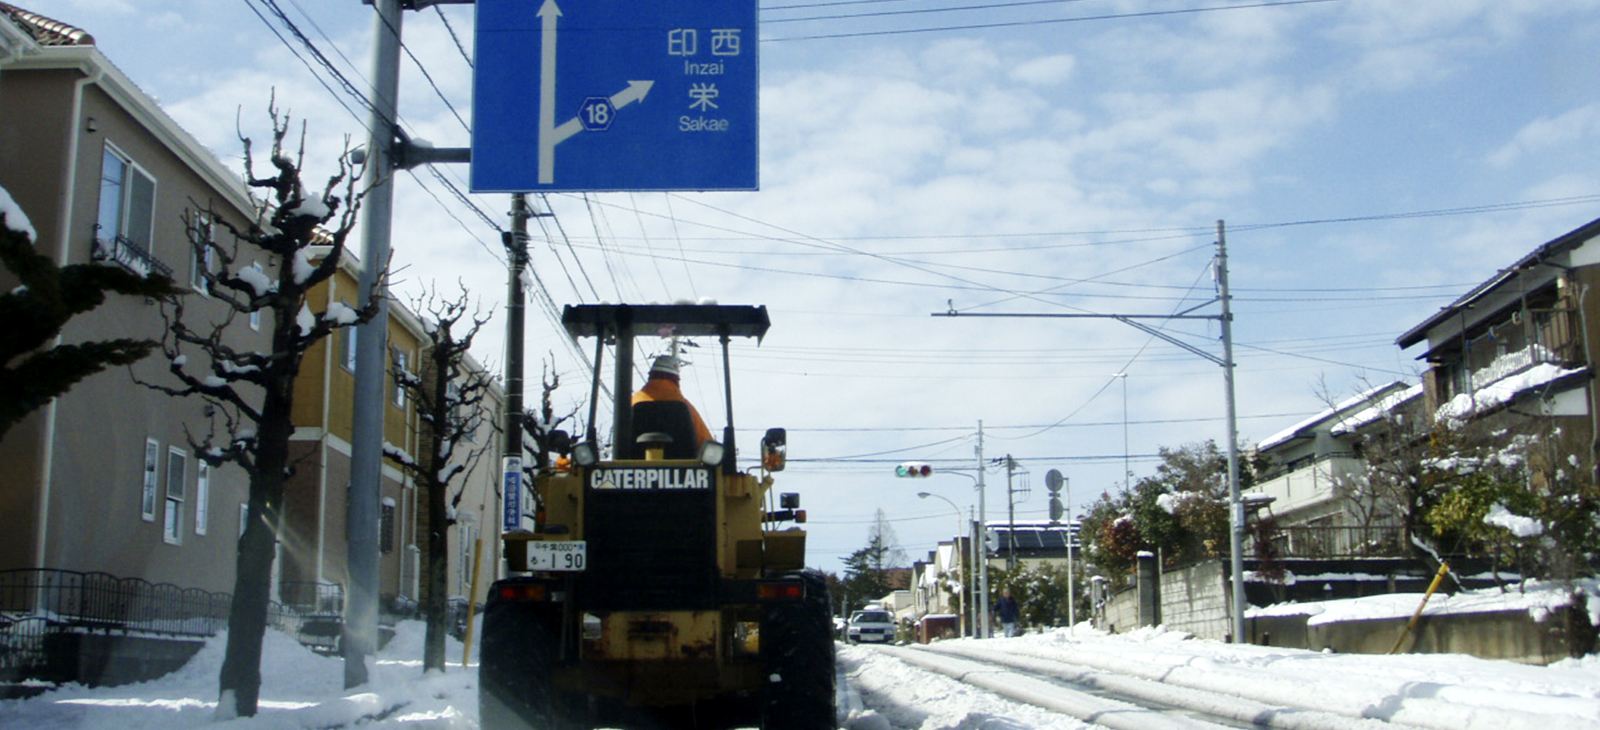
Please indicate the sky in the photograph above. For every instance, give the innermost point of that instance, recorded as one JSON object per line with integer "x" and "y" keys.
{"x": 1370, "y": 160}
{"x": 1328, "y": 690}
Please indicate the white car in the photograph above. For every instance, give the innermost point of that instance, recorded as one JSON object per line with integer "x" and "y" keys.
{"x": 870, "y": 625}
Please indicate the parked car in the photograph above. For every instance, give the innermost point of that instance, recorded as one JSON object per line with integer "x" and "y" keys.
{"x": 871, "y": 625}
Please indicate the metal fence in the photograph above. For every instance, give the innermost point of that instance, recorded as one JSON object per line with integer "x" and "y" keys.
{"x": 38, "y": 603}
{"x": 104, "y": 601}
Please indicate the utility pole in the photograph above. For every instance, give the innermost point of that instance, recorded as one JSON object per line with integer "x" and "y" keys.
{"x": 386, "y": 151}
{"x": 516, "y": 243}
{"x": 366, "y": 447}
{"x": 1235, "y": 505}
{"x": 1236, "y": 509}
{"x": 1011, "y": 515}
{"x": 982, "y": 548}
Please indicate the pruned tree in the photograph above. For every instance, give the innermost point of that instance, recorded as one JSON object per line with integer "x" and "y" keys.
{"x": 544, "y": 425}
{"x": 47, "y": 296}
{"x": 450, "y": 395}
{"x": 252, "y": 392}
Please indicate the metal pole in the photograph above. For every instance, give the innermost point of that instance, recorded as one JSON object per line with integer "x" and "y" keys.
{"x": 366, "y": 448}
{"x": 1235, "y": 506}
{"x": 983, "y": 547}
{"x": 971, "y": 581}
{"x": 1071, "y": 540}
{"x": 946, "y": 500}
{"x": 1011, "y": 515}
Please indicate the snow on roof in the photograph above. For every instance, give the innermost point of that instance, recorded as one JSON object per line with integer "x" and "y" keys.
{"x": 1377, "y": 410}
{"x": 1288, "y": 434}
{"x": 1502, "y": 391}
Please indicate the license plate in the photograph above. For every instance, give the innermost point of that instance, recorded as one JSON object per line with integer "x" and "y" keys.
{"x": 558, "y": 556}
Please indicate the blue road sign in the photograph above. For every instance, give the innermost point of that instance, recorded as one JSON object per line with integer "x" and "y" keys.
{"x": 598, "y": 95}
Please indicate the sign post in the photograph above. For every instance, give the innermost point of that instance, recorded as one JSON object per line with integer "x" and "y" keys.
{"x": 615, "y": 95}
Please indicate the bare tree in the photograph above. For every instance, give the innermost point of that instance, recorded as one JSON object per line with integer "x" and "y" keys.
{"x": 253, "y": 392}
{"x": 449, "y": 397}
{"x": 35, "y": 311}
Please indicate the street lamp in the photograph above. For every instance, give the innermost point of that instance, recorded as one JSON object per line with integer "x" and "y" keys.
{"x": 966, "y": 585}
{"x": 1127, "y": 472}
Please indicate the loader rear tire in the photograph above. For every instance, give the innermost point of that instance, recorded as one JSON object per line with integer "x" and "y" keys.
{"x": 797, "y": 649}
{"x": 516, "y": 690}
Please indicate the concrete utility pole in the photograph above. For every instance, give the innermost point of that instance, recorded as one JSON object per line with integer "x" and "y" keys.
{"x": 1235, "y": 505}
{"x": 516, "y": 242}
{"x": 982, "y": 548}
{"x": 1011, "y": 515}
{"x": 366, "y": 448}
{"x": 1235, "y": 508}
{"x": 385, "y": 153}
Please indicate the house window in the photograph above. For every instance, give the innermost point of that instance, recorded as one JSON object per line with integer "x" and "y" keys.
{"x": 386, "y": 526}
{"x": 255, "y": 314}
{"x": 348, "y": 336}
{"x": 126, "y": 217}
{"x": 464, "y": 574}
{"x": 177, "y": 469}
{"x": 400, "y": 373}
{"x": 201, "y": 256}
{"x": 202, "y": 497}
{"x": 147, "y": 497}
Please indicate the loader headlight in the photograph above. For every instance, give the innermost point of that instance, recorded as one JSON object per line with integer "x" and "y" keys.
{"x": 585, "y": 454}
{"x": 711, "y": 453}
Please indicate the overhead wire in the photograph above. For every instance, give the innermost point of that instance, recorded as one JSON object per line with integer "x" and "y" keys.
{"x": 1044, "y": 21}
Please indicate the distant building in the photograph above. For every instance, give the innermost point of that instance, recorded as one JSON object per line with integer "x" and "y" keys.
{"x": 1311, "y": 469}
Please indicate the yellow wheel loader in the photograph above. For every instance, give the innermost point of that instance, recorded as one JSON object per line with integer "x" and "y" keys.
{"x": 664, "y": 586}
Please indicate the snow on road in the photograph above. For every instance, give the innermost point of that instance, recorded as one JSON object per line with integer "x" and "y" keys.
{"x": 304, "y": 691}
{"x": 1293, "y": 688}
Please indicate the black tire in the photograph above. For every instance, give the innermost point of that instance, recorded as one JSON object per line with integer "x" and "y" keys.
{"x": 516, "y": 690}
{"x": 798, "y": 652}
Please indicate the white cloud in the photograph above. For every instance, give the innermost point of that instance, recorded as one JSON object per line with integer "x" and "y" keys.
{"x": 1546, "y": 133}
{"x": 1045, "y": 71}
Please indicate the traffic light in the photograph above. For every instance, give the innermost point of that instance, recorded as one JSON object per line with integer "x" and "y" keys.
{"x": 913, "y": 470}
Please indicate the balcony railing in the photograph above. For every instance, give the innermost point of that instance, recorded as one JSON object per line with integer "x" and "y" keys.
{"x": 129, "y": 254}
{"x": 1308, "y": 485}
{"x": 1316, "y": 541}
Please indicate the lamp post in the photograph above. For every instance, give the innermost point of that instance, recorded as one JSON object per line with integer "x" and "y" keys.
{"x": 1127, "y": 472}
{"x": 966, "y": 585}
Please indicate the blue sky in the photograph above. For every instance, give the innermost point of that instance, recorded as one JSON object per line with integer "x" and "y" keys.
{"x": 1047, "y": 166}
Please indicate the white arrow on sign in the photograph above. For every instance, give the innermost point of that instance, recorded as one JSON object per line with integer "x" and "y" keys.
{"x": 551, "y": 135}
{"x": 635, "y": 92}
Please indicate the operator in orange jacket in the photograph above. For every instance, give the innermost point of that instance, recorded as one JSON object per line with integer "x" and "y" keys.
{"x": 663, "y": 385}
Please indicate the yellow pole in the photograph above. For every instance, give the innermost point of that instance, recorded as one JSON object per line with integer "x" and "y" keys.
{"x": 1437, "y": 578}
{"x": 466, "y": 643}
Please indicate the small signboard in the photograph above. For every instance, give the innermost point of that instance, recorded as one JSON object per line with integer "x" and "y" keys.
{"x": 615, "y": 95}
{"x": 511, "y": 491}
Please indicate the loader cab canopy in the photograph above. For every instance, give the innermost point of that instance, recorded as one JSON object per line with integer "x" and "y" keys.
{"x": 621, "y": 323}
{"x": 665, "y": 320}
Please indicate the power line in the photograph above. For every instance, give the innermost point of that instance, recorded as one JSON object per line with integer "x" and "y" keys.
{"x": 1046, "y": 21}
{"x": 920, "y": 11}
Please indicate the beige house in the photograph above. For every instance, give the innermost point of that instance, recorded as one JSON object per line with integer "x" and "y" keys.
{"x": 104, "y": 478}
